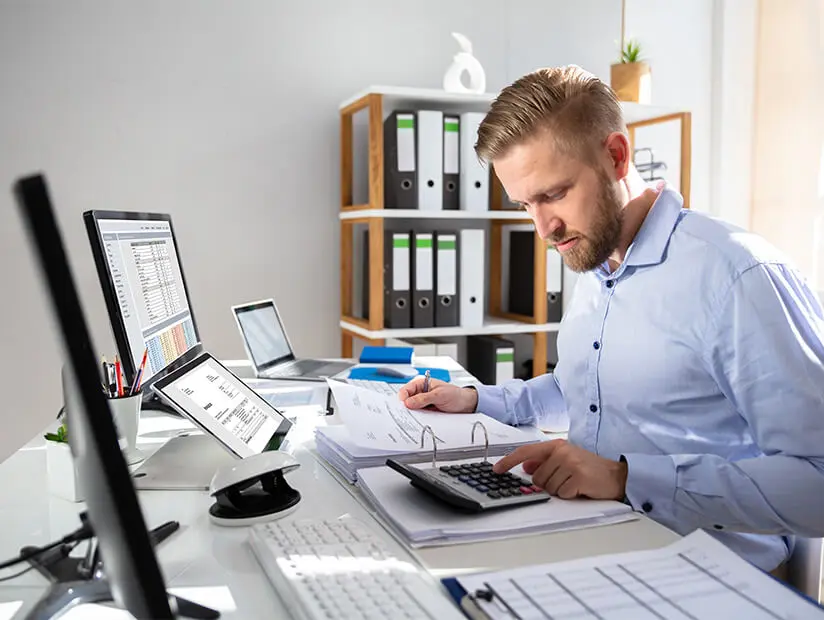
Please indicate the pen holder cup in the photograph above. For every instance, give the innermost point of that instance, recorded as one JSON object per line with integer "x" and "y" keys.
{"x": 126, "y": 414}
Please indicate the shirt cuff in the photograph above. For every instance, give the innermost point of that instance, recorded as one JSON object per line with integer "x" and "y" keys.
{"x": 491, "y": 402}
{"x": 651, "y": 483}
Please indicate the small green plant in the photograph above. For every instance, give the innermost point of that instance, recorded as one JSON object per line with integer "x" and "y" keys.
{"x": 62, "y": 434}
{"x": 631, "y": 52}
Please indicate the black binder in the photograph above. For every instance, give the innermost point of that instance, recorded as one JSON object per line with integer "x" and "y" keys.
{"x": 482, "y": 357}
{"x": 451, "y": 162}
{"x": 521, "y": 278}
{"x": 397, "y": 303}
{"x": 400, "y": 165}
{"x": 423, "y": 280}
{"x": 447, "y": 279}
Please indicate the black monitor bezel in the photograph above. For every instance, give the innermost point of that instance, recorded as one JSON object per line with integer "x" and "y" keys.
{"x": 132, "y": 569}
{"x": 118, "y": 327}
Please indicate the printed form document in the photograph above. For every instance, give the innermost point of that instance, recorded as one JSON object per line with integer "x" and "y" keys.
{"x": 696, "y": 578}
{"x": 382, "y": 422}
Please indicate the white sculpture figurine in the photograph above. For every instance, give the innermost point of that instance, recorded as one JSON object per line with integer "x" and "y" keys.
{"x": 464, "y": 61}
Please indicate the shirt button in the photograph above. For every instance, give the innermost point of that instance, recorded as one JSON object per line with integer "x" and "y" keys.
{"x": 596, "y": 345}
{"x": 593, "y": 408}
{"x": 610, "y": 283}
{"x": 646, "y": 507}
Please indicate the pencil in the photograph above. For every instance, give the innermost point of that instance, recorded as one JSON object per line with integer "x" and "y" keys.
{"x": 138, "y": 374}
{"x": 118, "y": 378}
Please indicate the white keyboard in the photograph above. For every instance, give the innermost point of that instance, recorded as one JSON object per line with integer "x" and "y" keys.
{"x": 340, "y": 569}
{"x": 390, "y": 389}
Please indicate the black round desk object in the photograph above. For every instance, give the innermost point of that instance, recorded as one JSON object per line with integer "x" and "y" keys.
{"x": 254, "y": 490}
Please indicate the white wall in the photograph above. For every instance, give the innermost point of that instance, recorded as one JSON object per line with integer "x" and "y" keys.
{"x": 225, "y": 115}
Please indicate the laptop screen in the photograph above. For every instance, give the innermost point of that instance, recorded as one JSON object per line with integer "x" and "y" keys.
{"x": 264, "y": 334}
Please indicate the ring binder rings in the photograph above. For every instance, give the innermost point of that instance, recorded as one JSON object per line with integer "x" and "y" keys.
{"x": 434, "y": 444}
{"x": 486, "y": 438}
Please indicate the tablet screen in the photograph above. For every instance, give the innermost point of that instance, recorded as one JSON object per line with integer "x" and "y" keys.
{"x": 220, "y": 403}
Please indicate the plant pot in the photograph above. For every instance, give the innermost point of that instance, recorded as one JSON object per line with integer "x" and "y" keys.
{"x": 632, "y": 81}
{"x": 62, "y": 472}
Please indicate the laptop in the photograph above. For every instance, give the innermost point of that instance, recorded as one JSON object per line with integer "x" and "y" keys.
{"x": 269, "y": 350}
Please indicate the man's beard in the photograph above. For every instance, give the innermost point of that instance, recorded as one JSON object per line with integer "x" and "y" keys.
{"x": 594, "y": 248}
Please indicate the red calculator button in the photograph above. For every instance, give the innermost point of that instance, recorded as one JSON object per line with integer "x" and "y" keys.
{"x": 526, "y": 490}
{"x": 536, "y": 489}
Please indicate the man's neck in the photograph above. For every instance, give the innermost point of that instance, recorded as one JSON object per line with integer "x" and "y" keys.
{"x": 636, "y": 207}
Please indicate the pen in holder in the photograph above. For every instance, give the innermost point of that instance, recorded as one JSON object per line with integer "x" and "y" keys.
{"x": 126, "y": 414}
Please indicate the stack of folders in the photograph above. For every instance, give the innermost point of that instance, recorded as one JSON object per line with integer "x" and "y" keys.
{"x": 376, "y": 427}
{"x": 424, "y": 521}
{"x": 431, "y": 279}
{"x": 430, "y": 162}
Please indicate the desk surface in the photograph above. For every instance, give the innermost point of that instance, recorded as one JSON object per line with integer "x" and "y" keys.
{"x": 214, "y": 566}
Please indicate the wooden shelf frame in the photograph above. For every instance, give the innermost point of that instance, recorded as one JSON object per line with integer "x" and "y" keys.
{"x": 373, "y": 213}
{"x": 685, "y": 119}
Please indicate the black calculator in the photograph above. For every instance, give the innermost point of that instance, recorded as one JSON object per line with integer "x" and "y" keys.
{"x": 471, "y": 487}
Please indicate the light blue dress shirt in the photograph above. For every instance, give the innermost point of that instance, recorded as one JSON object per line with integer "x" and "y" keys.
{"x": 701, "y": 361}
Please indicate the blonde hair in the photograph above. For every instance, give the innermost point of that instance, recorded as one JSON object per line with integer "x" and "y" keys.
{"x": 574, "y": 106}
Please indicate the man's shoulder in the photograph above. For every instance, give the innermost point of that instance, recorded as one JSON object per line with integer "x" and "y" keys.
{"x": 710, "y": 239}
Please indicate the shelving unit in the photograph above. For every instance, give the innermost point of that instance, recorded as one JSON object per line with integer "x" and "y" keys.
{"x": 378, "y": 102}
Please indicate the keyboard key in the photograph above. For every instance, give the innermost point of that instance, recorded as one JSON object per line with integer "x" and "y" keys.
{"x": 482, "y": 488}
{"x": 494, "y": 494}
{"x": 526, "y": 490}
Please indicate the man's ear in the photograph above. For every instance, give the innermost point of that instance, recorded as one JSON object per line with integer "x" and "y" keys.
{"x": 620, "y": 154}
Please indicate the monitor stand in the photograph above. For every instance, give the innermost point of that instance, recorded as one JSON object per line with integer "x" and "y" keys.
{"x": 62, "y": 596}
{"x": 184, "y": 463}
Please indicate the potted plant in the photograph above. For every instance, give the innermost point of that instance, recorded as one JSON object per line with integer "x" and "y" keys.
{"x": 631, "y": 78}
{"x": 60, "y": 466}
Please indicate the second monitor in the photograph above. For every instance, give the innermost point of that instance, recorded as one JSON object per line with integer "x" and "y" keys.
{"x": 144, "y": 288}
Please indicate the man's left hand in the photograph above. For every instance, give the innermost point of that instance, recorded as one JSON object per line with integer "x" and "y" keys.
{"x": 568, "y": 471}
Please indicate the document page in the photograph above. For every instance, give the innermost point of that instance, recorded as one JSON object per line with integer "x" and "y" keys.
{"x": 222, "y": 407}
{"x": 696, "y": 578}
{"x": 376, "y": 420}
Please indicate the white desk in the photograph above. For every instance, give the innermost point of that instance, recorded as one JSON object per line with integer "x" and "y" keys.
{"x": 212, "y": 565}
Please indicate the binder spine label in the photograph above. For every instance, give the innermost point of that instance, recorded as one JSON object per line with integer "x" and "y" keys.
{"x": 505, "y": 366}
{"x": 451, "y": 146}
{"x": 400, "y": 262}
{"x": 447, "y": 273}
{"x": 423, "y": 262}
{"x": 406, "y": 142}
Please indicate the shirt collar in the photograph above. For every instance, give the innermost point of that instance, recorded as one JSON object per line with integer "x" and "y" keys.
{"x": 652, "y": 238}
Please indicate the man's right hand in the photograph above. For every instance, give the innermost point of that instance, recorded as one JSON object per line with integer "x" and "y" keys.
{"x": 441, "y": 396}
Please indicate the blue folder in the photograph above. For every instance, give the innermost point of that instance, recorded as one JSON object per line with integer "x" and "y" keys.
{"x": 370, "y": 374}
{"x": 386, "y": 355}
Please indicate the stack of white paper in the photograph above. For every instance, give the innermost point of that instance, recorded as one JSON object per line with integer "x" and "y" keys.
{"x": 425, "y": 521}
{"x": 376, "y": 427}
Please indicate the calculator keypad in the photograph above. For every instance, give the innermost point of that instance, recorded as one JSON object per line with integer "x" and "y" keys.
{"x": 480, "y": 478}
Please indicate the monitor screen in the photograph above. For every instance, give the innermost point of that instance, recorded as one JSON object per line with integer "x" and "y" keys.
{"x": 222, "y": 405}
{"x": 263, "y": 333}
{"x": 142, "y": 278}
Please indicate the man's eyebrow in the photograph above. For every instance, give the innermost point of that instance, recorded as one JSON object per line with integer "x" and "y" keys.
{"x": 549, "y": 191}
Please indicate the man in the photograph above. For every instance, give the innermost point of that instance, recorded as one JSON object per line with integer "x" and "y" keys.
{"x": 691, "y": 358}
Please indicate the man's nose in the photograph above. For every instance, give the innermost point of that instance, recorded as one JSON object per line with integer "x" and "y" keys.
{"x": 547, "y": 225}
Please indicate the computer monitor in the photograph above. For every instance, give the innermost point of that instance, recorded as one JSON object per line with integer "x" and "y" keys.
{"x": 140, "y": 272}
{"x": 134, "y": 578}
